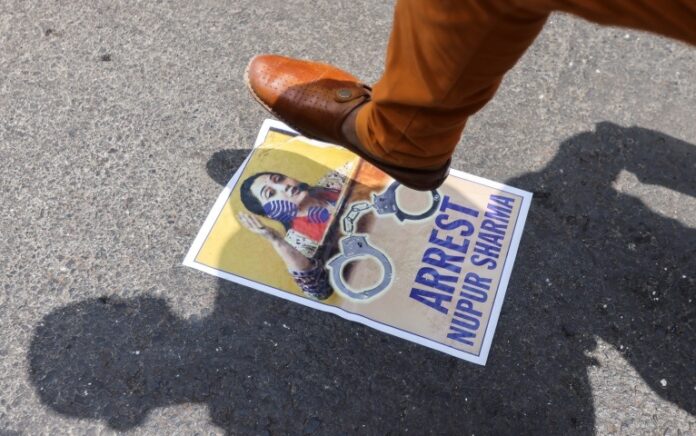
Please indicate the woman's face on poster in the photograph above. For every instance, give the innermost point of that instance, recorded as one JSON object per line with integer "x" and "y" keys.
{"x": 276, "y": 186}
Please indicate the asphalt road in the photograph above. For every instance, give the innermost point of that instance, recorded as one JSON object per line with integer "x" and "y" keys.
{"x": 120, "y": 119}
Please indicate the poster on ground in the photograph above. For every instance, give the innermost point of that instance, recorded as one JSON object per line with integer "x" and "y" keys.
{"x": 313, "y": 223}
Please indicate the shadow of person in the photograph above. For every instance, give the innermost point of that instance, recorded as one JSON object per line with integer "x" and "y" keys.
{"x": 615, "y": 268}
{"x": 594, "y": 262}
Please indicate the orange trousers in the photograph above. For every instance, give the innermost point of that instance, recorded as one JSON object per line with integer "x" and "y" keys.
{"x": 446, "y": 59}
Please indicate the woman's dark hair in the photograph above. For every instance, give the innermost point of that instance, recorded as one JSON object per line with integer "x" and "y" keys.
{"x": 250, "y": 201}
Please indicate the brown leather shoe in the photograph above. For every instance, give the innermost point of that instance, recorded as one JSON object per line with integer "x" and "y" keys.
{"x": 315, "y": 99}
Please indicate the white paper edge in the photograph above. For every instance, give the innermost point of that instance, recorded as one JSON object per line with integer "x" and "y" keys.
{"x": 481, "y": 359}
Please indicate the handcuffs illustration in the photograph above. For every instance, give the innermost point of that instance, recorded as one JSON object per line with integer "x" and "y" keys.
{"x": 353, "y": 247}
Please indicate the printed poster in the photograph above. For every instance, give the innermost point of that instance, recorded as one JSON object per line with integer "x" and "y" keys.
{"x": 313, "y": 223}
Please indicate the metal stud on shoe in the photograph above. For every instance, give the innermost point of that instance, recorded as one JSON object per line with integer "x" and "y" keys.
{"x": 344, "y": 94}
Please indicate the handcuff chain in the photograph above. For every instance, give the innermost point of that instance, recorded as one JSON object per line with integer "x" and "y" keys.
{"x": 355, "y": 212}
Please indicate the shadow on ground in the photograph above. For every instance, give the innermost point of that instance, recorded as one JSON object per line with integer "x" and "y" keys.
{"x": 594, "y": 262}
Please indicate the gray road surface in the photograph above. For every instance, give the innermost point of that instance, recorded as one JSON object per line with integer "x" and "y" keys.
{"x": 120, "y": 119}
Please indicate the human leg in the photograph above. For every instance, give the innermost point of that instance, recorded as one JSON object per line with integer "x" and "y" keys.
{"x": 445, "y": 60}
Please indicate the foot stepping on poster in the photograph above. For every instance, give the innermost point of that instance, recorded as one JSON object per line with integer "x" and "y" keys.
{"x": 315, "y": 224}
